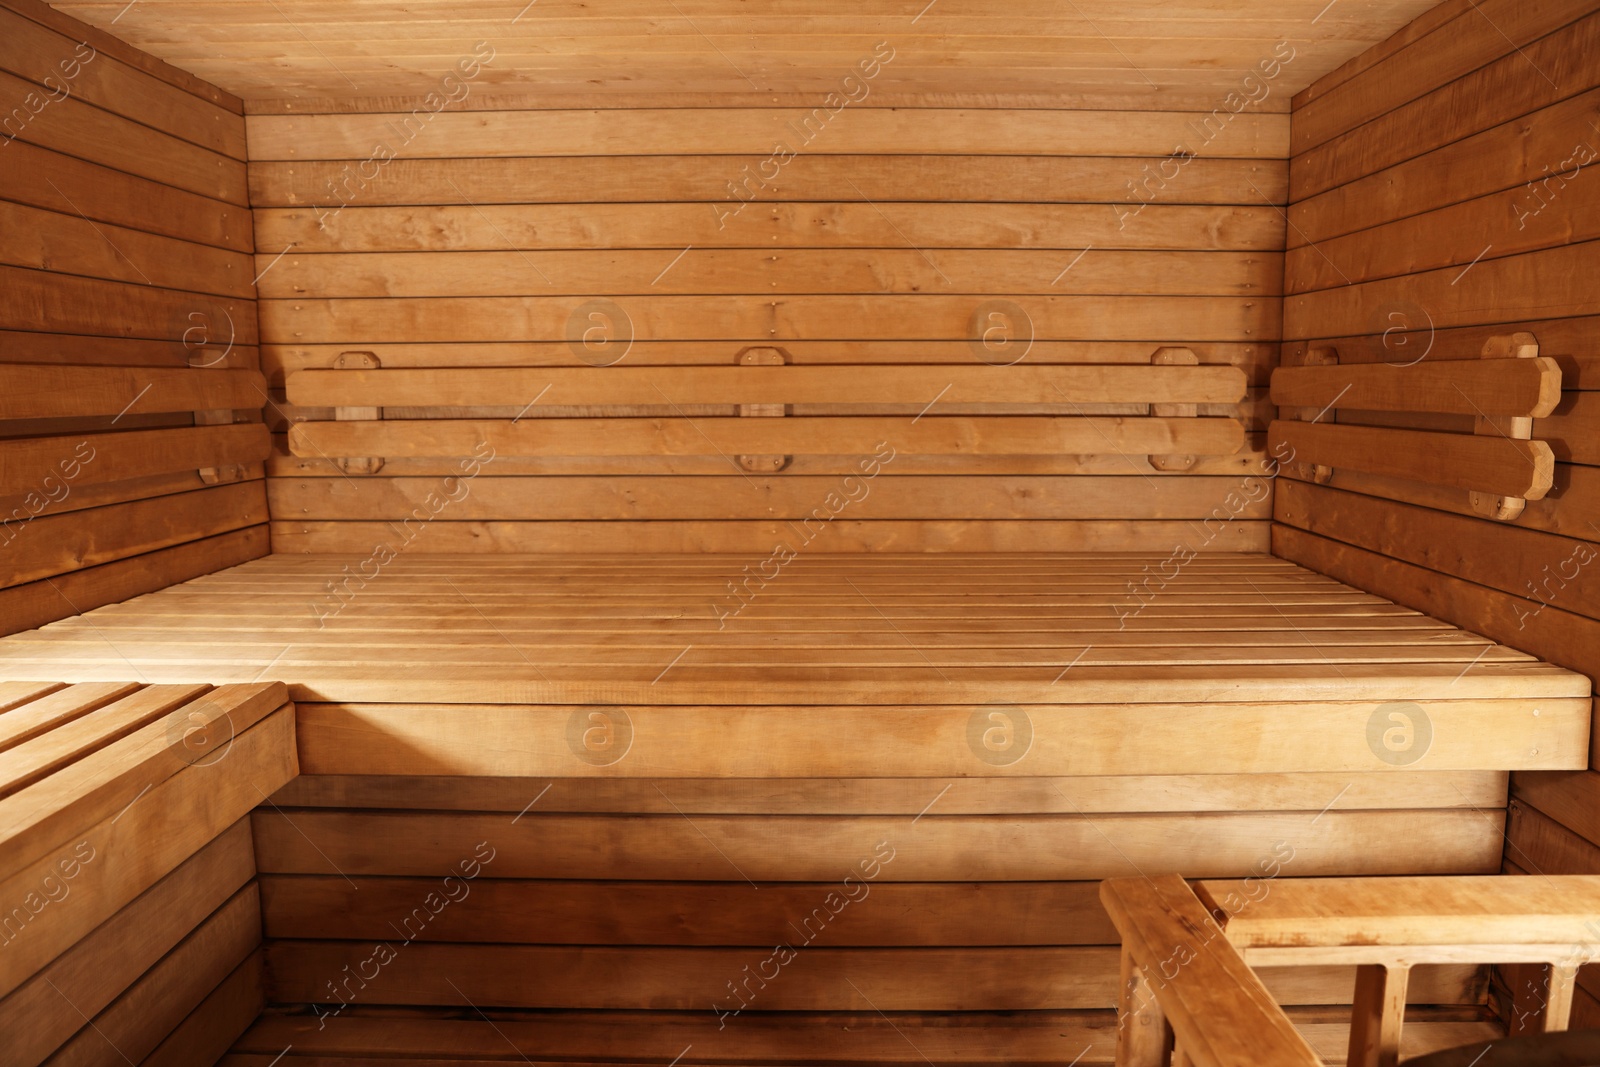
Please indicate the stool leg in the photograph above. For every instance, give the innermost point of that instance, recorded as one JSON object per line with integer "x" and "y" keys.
{"x": 1143, "y": 1037}
{"x": 1559, "y": 984}
{"x": 1379, "y": 1012}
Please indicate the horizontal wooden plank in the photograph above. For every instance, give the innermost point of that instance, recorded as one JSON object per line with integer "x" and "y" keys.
{"x": 907, "y": 796}
{"x": 1559, "y": 635}
{"x": 30, "y": 762}
{"x": 862, "y": 1038}
{"x": 1533, "y": 73}
{"x": 1460, "y": 911}
{"x": 286, "y": 469}
{"x": 207, "y": 1033}
{"x": 1502, "y": 157}
{"x": 57, "y": 708}
{"x": 511, "y": 911}
{"x": 115, "y": 863}
{"x": 820, "y": 655}
{"x": 37, "y": 300}
{"x": 102, "y": 783}
{"x": 1502, "y": 223}
{"x": 763, "y": 270}
{"x": 59, "y": 182}
{"x": 166, "y": 994}
{"x": 785, "y": 496}
{"x": 36, "y": 603}
{"x": 782, "y": 224}
{"x": 71, "y": 244}
{"x": 755, "y": 538}
{"x": 862, "y": 436}
{"x": 930, "y": 742}
{"x": 1252, "y": 412}
{"x": 1255, "y": 360}
{"x": 45, "y": 1011}
{"x": 61, "y": 22}
{"x": 1568, "y": 509}
{"x": 732, "y": 131}
{"x": 506, "y": 676}
{"x": 44, "y": 391}
{"x": 78, "y": 128}
{"x": 1487, "y": 464}
{"x": 1450, "y": 296}
{"x": 506, "y": 97}
{"x": 1568, "y": 341}
{"x": 1442, "y": 44}
{"x": 15, "y": 694}
{"x": 58, "y": 544}
{"x": 816, "y": 977}
{"x": 102, "y": 494}
{"x": 1529, "y": 388}
{"x": 676, "y": 179}
{"x": 1521, "y": 562}
{"x": 769, "y": 385}
{"x": 1568, "y": 797}
{"x": 37, "y": 346}
{"x": 41, "y": 463}
{"x": 43, "y": 54}
{"x": 949, "y": 848}
{"x": 755, "y": 320}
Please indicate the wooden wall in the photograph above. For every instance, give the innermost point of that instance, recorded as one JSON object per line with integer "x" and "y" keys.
{"x": 124, "y": 243}
{"x": 877, "y": 243}
{"x": 1443, "y": 187}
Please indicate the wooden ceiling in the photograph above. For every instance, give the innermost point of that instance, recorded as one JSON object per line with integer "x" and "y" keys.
{"x": 1161, "y": 52}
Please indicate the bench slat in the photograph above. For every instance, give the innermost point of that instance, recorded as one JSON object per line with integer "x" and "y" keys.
{"x": 949, "y": 435}
{"x": 1526, "y": 388}
{"x": 489, "y": 386}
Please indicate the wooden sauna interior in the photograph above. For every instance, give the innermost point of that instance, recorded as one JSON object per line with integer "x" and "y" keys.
{"x": 699, "y": 533}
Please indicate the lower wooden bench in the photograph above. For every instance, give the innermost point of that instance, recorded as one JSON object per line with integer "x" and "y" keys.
{"x": 130, "y": 919}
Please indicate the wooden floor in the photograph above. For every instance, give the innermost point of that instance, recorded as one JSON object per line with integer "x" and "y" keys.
{"x": 1042, "y": 1038}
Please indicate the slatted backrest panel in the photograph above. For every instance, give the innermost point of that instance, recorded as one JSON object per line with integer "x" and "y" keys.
{"x": 600, "y": 300}
{"x": 781, "y": 391}
{"x": 1495, "y": 469}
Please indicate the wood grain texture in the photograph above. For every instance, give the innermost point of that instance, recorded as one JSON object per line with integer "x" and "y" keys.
{"x": 48, "y": 1009}
{"x": 179, "y": 817}
{"x": 844, "y": 1037}
{"x": 888, "y": 796}
{"x": 124, "y": 244}
{"x": 675, "y": 602}
{"x": 1043, "y": 235}
{"x": 1191, "y": 54}
{"x": 1437, "y": 195}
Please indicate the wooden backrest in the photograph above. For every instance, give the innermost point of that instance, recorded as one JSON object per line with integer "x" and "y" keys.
{"x": 770, "y": 408}
{"x": 1491, "y": 459}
